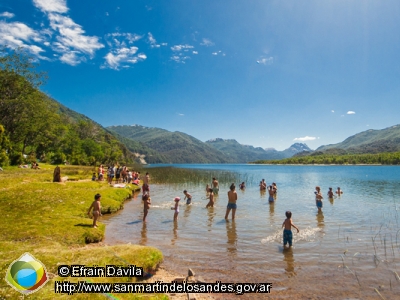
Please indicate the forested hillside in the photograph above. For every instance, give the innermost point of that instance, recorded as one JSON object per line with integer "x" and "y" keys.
{"x": 176, "y": 147}
{"x": 34, "y": 126}
{"x": 369, "y": 141}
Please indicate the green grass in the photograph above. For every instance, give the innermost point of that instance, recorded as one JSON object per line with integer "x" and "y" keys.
{"x": 49, "y": 220}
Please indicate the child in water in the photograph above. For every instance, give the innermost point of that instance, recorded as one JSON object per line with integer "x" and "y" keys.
{"x": 176, "y": 208}
{"x": 330, "y": 193}
{"x": 211, "y": 197}
{"x": 318, "y": 198}
{"x": 287, "y": 232}
{"x": 96, "y": 209}
{"x": 188, "y": 196}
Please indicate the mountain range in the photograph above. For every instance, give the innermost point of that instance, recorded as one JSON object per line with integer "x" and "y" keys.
{"x": 178, "y": 147}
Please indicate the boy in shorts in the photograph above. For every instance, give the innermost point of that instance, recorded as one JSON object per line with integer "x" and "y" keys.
{"x": 287, "y": 231}
{"x": 188, "y": 196}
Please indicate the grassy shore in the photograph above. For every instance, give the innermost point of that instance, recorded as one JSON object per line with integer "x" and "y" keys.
{"x": 49, "y": 220}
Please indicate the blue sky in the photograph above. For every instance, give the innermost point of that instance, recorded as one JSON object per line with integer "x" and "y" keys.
{"x": 266, "y": 73}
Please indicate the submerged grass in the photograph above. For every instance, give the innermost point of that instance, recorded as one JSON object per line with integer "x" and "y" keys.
{"x": 49, "y": 220}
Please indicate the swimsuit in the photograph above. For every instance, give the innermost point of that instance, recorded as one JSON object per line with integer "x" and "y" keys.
{"x": 319, "y": 203}
{"x": 271, "y": 199}
{"x": 189, "y": 200}
{"x": 287, "y": 237}
{"x": 232, "y": 205}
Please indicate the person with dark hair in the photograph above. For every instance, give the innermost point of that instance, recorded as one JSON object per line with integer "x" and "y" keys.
{"x": 271, "y": 192}
{"x": 232, "y": 198}
{"x": 188, "y": 196}
{"x": 211, "y": 197}
{"x": 287, "y": 231}
{"x": 318, "y": 198}
{"x": 96, "y": 209}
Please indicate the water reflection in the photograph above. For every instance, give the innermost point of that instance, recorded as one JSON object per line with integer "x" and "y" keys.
{"x": 271, "y": 209}
{"x": 289, "y": 259}
{"x": 331, "y": 200}
{"x": 320, "y": 220}
{"x": 232, "y": 237}
{"x": 187, "y": 211}
{"x": 175, "y": 232}
{"x": 211, "y": 214}
{"x": 262, "y": 193}
{"x": 143, "y": 232}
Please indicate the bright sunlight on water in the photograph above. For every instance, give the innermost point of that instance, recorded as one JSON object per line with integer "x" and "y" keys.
{"x": 352, "y": 246}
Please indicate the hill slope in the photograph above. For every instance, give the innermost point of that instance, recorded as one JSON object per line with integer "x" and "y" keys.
{"x": 370, "y": 141}
{"x": 176, "y": 147}
{"x": 243, "y": 153}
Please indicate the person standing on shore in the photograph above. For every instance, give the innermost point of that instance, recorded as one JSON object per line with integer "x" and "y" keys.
{"x": 215, "y": 185}
{"x": 96, "y": 209}
{"x": 318, "y": 198}
{"x": 232, "y": 198}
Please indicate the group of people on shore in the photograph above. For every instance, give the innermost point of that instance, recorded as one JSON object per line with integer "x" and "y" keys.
{"x": 121, "y": 174}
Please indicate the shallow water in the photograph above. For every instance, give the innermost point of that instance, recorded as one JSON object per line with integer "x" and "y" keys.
{"x": 345, "y": 252}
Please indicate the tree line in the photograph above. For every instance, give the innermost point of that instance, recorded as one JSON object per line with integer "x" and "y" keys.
{"x": 388, "y": 158}
{"x": 35, "y": 127}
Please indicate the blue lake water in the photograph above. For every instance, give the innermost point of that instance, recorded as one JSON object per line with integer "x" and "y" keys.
{"x": 351, "y": 248}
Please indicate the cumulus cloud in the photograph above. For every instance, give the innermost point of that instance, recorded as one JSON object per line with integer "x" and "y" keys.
{"x": 51, "y": 6}
{"x": 72, "y": 36}
{"x": 306, "y": 138}
{"x": 195, "y": 52}
{"x": 16, "y": 34}
{"x": 214, "y": 53}
{"x": 7, "y": 14}
{"x": 181, "y": 115}
{"x": 266, "y": 61}
{"x": 207, "y": 42}
{"x": 332, "y": 111}
{"x": 180, "y": 58}
{"x": 350, "y": 112}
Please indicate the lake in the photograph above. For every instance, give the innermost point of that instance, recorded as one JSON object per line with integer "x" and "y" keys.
{"x": 350, "y": 250}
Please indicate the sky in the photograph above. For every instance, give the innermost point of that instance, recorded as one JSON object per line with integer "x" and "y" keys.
{"x": 265, "y": 73}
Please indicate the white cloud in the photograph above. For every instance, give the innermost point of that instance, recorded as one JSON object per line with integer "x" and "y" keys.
{"x": 332, "y": 111}
{"x": 119, "y": 57}
{"x": 306, "y": 138}
{"x": 350, "y": 112}
{"x": 72, "y": 36}
{"x": 51, "y": 6}
{"x": 181, "y": 114}
{"x": 16, "y": 34}
{"x": 266, "y": 61}
{"x": 195, "y": 52}
{"x": 181, "y": 47}
{"x": 7, "y": 14}
{"x": 214, "y": 53}
{"x": 207, "y": 42}
{"x": 164, "y": 44}
{"x": 180, "y": 58}
{"x": 71, "y": 58}
{"x": 152, "y": 41}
